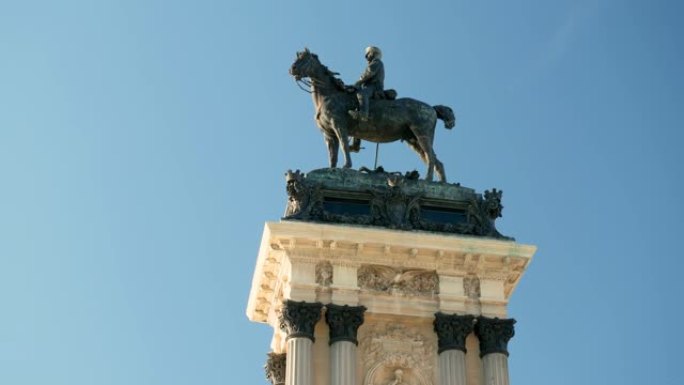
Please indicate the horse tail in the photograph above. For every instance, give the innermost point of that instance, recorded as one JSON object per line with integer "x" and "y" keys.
{"x": 446, "y": 114}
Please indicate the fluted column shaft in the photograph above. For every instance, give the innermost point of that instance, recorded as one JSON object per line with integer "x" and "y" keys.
{"x": 452, "y": 331}
{"x": 343, "y": 363}
{"x": 452, "y": 368}
{"x": 495, "y": 369}
{"x": 343, "y": 322}
{"x": 298, "y": 319}
{"x": 299, "y": 368}
{"x": 494, "y": 334}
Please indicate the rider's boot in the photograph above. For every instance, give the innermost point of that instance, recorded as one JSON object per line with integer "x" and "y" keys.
{"x": 362, "y": 112}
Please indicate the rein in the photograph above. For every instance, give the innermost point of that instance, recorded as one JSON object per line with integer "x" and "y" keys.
{"x": 306, "y": 83}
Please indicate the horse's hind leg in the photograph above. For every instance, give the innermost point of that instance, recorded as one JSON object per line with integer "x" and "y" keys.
{"x": 439, "y": 169}
{"x": 413, "y": 143}
{"x": 429, "y": 158}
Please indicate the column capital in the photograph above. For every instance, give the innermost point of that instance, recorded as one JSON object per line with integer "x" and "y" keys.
{"x": 344, "y": 322}
{"x": 298, "y": 319}
{"x": 494, "y": 334}
{"x": 275, "y": 368}
{"x": 452, "y": 330}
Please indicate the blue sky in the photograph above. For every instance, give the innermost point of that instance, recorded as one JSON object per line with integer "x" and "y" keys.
{"x": 143, "y": 145}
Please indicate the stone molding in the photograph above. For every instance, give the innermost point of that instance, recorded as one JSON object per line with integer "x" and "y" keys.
{"x": 344, "y": 322}
{"x": 289, "y": 243}
{"x": 494, "y": 334}
{"x": 298, "y": 319}
{"x": 452, "y": 330}
{"x": 275, "y": 368}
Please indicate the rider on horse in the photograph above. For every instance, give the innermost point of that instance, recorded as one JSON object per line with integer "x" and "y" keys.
{"x": 371, "y": 82}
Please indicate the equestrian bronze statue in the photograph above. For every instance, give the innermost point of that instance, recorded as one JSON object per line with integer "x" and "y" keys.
{"x": 404, "y": 119}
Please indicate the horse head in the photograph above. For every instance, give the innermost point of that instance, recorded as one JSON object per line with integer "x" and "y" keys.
{"x": 303, "y": 64}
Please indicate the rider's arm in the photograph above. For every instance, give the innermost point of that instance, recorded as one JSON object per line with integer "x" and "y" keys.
{"x": 370, "y": 72}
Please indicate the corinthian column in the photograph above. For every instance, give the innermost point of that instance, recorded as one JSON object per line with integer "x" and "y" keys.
{"x": 344, "y": 322}
{"x": 494, "y": 334}
{"x": 275, "y": 368}
{"x": 298, "y": 319}
{"x": 452, "y": 331}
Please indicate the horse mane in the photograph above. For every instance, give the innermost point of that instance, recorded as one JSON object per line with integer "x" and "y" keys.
{"x": 339, "y": 83}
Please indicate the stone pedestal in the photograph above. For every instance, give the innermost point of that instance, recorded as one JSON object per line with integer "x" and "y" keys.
{"x": 422, "y": 292}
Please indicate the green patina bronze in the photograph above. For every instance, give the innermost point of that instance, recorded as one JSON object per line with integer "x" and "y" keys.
{"x": 340, "y": 116}
{"x": 391, "y": 200}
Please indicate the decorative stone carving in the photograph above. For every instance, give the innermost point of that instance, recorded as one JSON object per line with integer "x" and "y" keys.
{"x": 471, "y": 287}
{"x": 494, "y": 334}
{"x": 344, "y": 321}
{"x": 299, "y": 318}
{"x": 388, "y": 347}
{"x": 490, "y": 209}
{"x": 275, "y": 368}
{"x": 324, "y": 273}
{"x": 391, "y": 200}
{"x": 398, "y": 281}
{"x": 303, "y": 199}
{"x": 452, "y": 331}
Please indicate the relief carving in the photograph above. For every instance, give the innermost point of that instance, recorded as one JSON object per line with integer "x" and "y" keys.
{"x": 471, "y": 287}
{"x": 398, "y": 281}
{"x": 398, "y": 353}
{"x": 324, "y": 273}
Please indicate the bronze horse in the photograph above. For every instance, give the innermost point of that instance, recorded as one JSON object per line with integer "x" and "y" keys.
{"x": 404, "y": 119}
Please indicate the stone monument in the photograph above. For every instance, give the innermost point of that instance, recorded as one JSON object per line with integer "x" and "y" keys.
{"x": 376, "y": 278}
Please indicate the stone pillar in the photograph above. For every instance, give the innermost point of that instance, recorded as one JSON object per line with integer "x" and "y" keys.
{"x": 494, "y": 334}
{"x": 298, "y": 320}
{"x": 343, "y": 321}
{"x": 452, "y": 331}
{"x": 275, "y": 368}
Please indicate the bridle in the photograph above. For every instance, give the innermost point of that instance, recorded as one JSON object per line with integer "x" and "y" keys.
{"x": 307, "y": 83}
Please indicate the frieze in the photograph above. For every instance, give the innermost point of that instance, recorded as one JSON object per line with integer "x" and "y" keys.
{"x": 398, "y": 281}
{"x": 391, "y": 200}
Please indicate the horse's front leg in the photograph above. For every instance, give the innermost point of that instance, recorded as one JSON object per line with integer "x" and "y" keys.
{"x": 343, "y": 139}
{"x": 333, "y": 146}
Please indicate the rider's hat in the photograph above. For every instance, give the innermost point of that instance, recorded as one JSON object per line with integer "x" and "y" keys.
{"x": 374, "y": 52}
